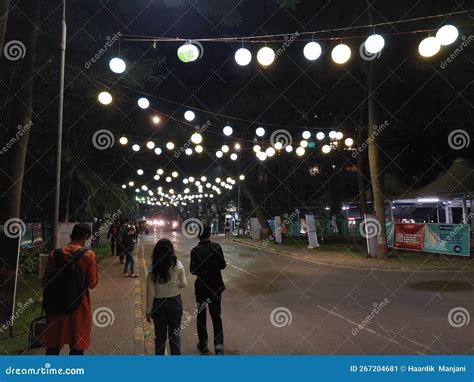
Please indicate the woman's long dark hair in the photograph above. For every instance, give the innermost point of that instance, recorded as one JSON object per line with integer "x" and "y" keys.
{"x": 163, "y": 260}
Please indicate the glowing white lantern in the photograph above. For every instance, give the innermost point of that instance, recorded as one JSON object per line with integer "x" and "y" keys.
{"x": 227, "y": 130}
{"x": 189, "y": 115}
{"x": 339, "y": 135}
{"x": 131, "y": 184}
{"x": 219, "y": 154}
{"x": 156, "y": 120}
{"x": 304, "y": 144}
{"x": 168, "y": 179}
{"x": 158, "y": 151}
{"x": 326, "y": 149}
{"x": 320, "y": 136}
{"x": 199, "y": 149}
{"x": 225, "y": 149}
{"x": 117, "y": 65}
{"x": 203, "y": 178}
{"x": 191, "y": 179}
{"x": 306, "y": 134}
{"x": 123, "y": 140}
{"x": 257, "y": 148}
{"x": 188, "y": 53}
{"x": 237, "y": 146}
{"x": 260, "y": 131}
{"x": 150, "y": 145}
{"x": 266, "y": 56}
{"x": 188, "y": 151}
{"x": 447, "y": 34}
{"x": 243, "y": 57}
{"x": 312, "y": 51}
{"x": 170, "y": 145}
{"x": 242, "y": 177}
{"x": 341, "y": 54}
{"x": 160, "y": 171}
{"x": 374, "y": 44}
{"x": 261, "y": 156}
{"x": 429, "y": 47}
{"x": 140, "y": 172}
{"x": 233, "y": 156}
{"x": 174, "y": 174}
{"x": 332, "y": 134}
{"x": 143, "y": 103}
{"x": 270, "y": 152}
{"x": 124, "y": 186}
{"x": 105, "y": 98}
{"x": 349, "y": 142}
{"x": 278, "y": 145}
{"x": 196, "y": 138}
{"x": 300, "y": 151}
{"x": 156, "y": 177}
{"x": 136, "y": 147}
{"x": 289, "y": 148}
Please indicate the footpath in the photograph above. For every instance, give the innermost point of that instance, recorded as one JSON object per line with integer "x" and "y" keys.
{"x": 347, "y": 258}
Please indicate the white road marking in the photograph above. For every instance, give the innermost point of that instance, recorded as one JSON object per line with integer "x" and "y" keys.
{"x": 242, "y": 270}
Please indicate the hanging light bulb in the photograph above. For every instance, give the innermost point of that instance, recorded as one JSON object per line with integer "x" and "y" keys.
{"x": 140, "y": 172}
{"x": 233, "y": 156}
{"x": 332, "y": 134}
{"x": 304, "y": 144}
{"x": 312, "y": 51}
{"x": 123, "y": 140}
{"x": 320, "y": 136}
{"x": 117, "y": 65}
{"x": 188, "y": 52}
{"x": 278, "y": 145}
{"x": 374, "y": 43}
{"x": 429, "y": 47}
{"x": 150, "y": 145}
{"x": 227, "y": 130}
{"x": 156, "y": 120}
{"x": 174, "y": 174}
{"x": 199, "y": 149}
{"x": 170, "y": 145}
{"x": 219, "y": 154}
{"x": 341, "y": 54}
{"x": 257, "y": 148}
{"x": 158, "y": 151}
{"x": 289, "y": 148}
{"x": 266, "y": 56}
{"x": 447, "y": 34}
{"x": 243, "y": 57}
{"x": 261, "y": 155}
{"x": 237, "y": 146}
{"x": 270, "y": 152}
{"x": 260, "y": 131}
{"x": 136, "y": 148}
{"x": 143, "y": 103}
{"x": 349, "y": 142}
{"x": 189, "y": 151}
{"x": 300, "y": 151}
{"x": 225, "y": 149}
{"x": 196, "y": 138}
{"x": 306, "y": 134}
{"x": 105, "y": 98}
{"x": 326, "y": 149}
{"x": 189, "y": 115}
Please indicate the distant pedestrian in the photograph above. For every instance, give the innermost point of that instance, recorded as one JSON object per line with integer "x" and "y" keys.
{"x": 215, "y": 227}
{"x": 70, "y": 272}
{"x": 207, "y": 261}
{"x": 227, "y": 229}
{"x": 128, "y": 242}
{"x": 112, "y": 234}
{"x": 164, "y": 305}
{"x": 120, "y": 242}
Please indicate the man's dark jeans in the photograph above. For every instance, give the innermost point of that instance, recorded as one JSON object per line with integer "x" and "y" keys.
{"x": 205, "y": 301}
{"x": 167, "y": 314}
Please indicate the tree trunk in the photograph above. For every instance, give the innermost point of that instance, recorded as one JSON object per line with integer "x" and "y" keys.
{"x": 22, "y": 111}
{"x": 261, "y": 216}
{"x": 4, "y": 8}
{"x": 361, "y": 137}
{"x": 67, "y": 204}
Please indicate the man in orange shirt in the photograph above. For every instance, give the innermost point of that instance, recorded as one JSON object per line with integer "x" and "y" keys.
{"x": 70, "y": 272}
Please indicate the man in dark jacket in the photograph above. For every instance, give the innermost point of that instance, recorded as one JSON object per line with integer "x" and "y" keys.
{"x": 207, "y": 261}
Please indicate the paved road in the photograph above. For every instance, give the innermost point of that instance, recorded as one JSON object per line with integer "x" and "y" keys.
{"x": 329, "y": 310}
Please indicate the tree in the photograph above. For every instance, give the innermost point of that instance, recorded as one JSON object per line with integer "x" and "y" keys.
{"x": 4, "y": 8}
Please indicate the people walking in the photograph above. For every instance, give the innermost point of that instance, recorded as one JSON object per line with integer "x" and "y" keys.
{"x": 164, "y": 304}
{"x": 227, "y": 229}
{"x": 207, "y": 261}
{"x": 112, "y": 234}
{"x": 128, "y": 242}
{"x": 70, "y": 272}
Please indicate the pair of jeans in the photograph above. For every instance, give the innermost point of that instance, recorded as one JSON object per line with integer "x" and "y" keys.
{"x": 167, "y": 314}
{"x": 56, "y": 351}
{"x": 204, "y": 302}
{"x": 129, "y": 260}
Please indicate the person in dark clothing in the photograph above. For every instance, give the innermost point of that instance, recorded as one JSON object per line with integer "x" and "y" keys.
{"x": 207, "y": 261}
{"x": 113, "y": 236}
{"x": 128, "y": 246}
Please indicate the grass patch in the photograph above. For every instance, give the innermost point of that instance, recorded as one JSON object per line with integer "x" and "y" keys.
{"x": 29, "y": 286}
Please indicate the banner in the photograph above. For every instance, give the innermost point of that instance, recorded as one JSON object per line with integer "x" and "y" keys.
{"x": 312, "y": 237}
{"x": 409, "y": 236}
{"x": 449, "y": 239}
{"x": 9, "y": 258}
{"x": 389, "y": 228}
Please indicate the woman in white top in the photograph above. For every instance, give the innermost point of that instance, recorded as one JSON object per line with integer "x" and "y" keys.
{"x": 164, "y": 305}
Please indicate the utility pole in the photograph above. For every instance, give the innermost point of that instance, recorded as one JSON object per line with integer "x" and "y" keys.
{"x": 57, "y": 190}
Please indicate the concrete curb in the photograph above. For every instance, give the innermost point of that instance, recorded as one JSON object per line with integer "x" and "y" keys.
{"x": 359, "y": 267}
{"x": 139, "y": 337}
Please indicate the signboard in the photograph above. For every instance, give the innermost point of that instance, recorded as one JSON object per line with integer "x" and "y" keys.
{"x": 389, "y": 228}
{"x": 409, "y": 236}
{"x": 450, "y": 239}
{"x": 9, "y": 257}
{"x": 64, "y": 234}
{"x": 312, "y": 237}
